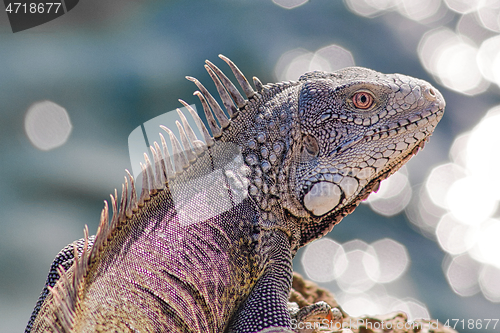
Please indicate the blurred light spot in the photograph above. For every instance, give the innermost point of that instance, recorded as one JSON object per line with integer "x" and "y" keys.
{"x": 355, "y": 244}
{"x": 391, "y": 186}
{"x": 489, "y": 15}
{"x": 483, "y": 154}
{"x": 386, "y": 302}
{"x": 424, "y": 214}
{"x": 463, "y": 6}
{"x": 470, "y": 201}
{"x": 47, "y": 125}
{"x": 294, "y": 63}
{"x": 462, "y": 273}
{"x": 488, "y": 59}
{"x": 370, "y": 8}
{"x": 469, "y": 25}
{"x": 470, "y": 193}
{"x": 324, "y": 260}
{"x": 489, "y": 280}
{"x": 413, "y": 308}
{"x": 336, "y": 56}
{"x": 355, "y": 278}
{"x": 469, "y": 190}
{"x": 440, "y": 180}
{"x": 430, "y": 45}
{"x": 289, "y": 4}
{"x": 487, "y": 246}
{"x": 301, "y": 65}
{"x": 393, "y": 196}
{"x": 452, "y": 59}
{"x": 458, "y": 150}
{"x": 284, "y": 62}
{"x": 458, "y": 70}
{"x": 386, "y": 260}
{"x": 377, "y": 301}
{"x": 359, "y": 305}
{"x": 454, "y": 236}
{"x": 418, "y": 10}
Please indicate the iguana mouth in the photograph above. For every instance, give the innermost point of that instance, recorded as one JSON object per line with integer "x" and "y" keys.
{"x": 431, "y": 114}
{"x": 420, "y": 120}
{"x": 322, "y": 197}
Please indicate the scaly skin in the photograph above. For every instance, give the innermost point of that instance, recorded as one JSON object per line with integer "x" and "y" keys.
{"x": 208, "y": 246}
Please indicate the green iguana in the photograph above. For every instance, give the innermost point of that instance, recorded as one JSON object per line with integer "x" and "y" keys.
{"x": 208, "y": 244}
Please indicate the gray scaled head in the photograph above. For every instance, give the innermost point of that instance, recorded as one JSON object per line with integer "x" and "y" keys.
{"x": 357, "y": 126}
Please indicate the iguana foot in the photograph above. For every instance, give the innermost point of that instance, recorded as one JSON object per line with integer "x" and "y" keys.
{"x": 312, "y": 317}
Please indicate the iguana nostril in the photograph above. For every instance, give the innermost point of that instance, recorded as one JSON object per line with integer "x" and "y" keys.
{"x": 433, "y": 95}
{"x": 430, "y": 94}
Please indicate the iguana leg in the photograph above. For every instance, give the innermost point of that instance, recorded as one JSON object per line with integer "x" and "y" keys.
{"x": 63, "y": 259}
{"x": 266, "y": 306}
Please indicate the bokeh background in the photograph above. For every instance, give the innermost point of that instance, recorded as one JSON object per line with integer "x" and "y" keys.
{"x": 73, "y": 89}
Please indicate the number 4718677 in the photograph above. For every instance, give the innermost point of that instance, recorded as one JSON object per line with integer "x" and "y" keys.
{"x": 471, "y": 323}
{"x": 32, "y": 7}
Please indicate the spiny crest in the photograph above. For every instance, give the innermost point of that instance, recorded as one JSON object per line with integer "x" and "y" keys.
{"x": 166, "y": 167}
{"x": 64, "y": 293}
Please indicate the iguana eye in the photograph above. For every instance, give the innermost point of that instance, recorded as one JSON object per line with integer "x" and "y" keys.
{"x": 362, "y": 100}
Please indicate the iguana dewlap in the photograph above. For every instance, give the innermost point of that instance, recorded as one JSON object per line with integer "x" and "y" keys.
{"x": 208, "y": 244}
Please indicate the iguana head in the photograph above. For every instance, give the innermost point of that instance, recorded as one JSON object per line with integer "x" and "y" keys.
{"x": 355, "y": 128}
{"x": 316, "y": 147}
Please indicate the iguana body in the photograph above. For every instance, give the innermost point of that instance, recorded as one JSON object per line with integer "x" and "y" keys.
{"x": 208, "y": 245}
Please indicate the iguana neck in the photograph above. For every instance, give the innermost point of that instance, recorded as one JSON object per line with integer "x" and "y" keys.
{"x": 265, "y": 135}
